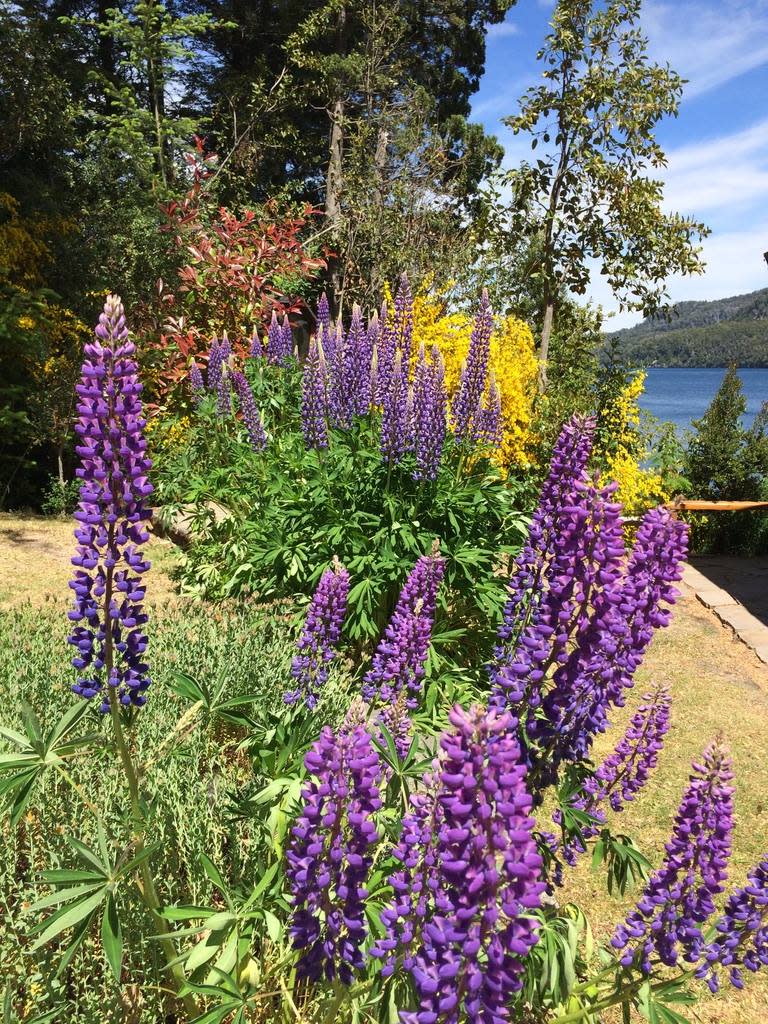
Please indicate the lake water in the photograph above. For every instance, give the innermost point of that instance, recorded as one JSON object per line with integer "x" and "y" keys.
{"x": 682, "y": 395}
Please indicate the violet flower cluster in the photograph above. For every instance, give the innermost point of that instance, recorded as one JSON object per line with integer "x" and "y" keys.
{"x": 580, "y": 615}
{"x": 313, "y": 398}
{"x": 679, "y": 897}
{"x": 279, "y": 341}
{"x": 329, "y": 855}
{"x": 467, "y": 405}
{"x": 196, "y": 383}
{"x": 110, "y": 639}
{"x": 428, "y": 415}
{"x": 316, "y": 647}
{"x": 398, "y": 663}
{"x": 251, "y": 415}
{"x": 621, "y": 776}
{"x": 470, "y": 878}
{"x": 742, "y": 933}
{"x": 323, "y": 320}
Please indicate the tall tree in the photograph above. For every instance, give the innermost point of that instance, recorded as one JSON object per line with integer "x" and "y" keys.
{"x": 591, "y": 190}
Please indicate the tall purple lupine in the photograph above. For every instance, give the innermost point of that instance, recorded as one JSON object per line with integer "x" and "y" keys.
{"x": 359, "y": 355}
{"x": 487, "y": 428}
{"x": 251, "y": 415}
{"x": 287, "y": 339}
{"x": 467, "y": 404}
{"x": 196, "y": 383}
{"x": 113, "y": 508}
{"x": 340, "y": 382}
{"x": 316, "y": 647}
{"x": 314, "y": 398}
{"x": 329, "y": 854}
{"x": 215, "y": 361}
{"x": 394, "y": 415}
{"x": 256, "y": 351}
{"x": 466, "y": 933}
{"x": 323, "y": 320}
{"x": 402, "y": 325}
{"x": 742, "y": 933}
{"x": 428, "y": 422}
{"x": 621, "y": 776}
{"x": 679, "y": 897}
{"x": 385, "y": 356}
{"x": 398, "y": 663}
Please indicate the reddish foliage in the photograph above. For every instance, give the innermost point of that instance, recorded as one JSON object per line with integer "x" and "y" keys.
{"x": 237, "y": 272}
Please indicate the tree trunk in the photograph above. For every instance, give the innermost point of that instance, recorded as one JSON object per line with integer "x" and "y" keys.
{"x": 546, "y": 331}
{"x": 333, "y": 183}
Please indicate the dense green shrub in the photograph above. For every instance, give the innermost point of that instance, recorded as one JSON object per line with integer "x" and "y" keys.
{"x": 268, "y": 524}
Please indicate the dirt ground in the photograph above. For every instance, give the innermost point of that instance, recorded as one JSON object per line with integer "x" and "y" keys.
{"x": 718, "y": 685}
{"x": 35, "y": 553}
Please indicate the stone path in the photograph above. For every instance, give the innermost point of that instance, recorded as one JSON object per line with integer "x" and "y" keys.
{"x": 736, "y": 589}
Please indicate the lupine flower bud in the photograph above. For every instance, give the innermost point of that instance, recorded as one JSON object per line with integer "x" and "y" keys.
{"x": 398, "y": 664}
{"x": 113, "y": 507}
{"x": 251, "y": 415}
{"x": 329, "y": 854}
{"x": 256, "y": 350}
{"x": 474, "y": 374}
{"x": 742, "y": 932}
{"x": 313, "y": 398}
{"x": 679, "y": 898}
{"x": 322, "y": 629}
{"x": 475, "y": 870}
{"x": 196, "y": 382}
{"x": 397, "y": 721}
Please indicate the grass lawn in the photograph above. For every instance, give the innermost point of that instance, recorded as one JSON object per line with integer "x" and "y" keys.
{"x": 718, "y": 687}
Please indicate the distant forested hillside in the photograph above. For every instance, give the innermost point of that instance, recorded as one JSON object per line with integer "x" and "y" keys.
{"x": 732, "y": 330}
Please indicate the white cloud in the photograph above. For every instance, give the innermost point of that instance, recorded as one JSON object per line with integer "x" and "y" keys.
{"x": 502, "y": 30}
{"x": 708, "y": 43}
{"x": 719, "y": 175}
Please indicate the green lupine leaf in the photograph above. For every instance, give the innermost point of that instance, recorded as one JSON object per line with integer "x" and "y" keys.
{"x": 67, "y": 917}
{"x": 112, "y": 936}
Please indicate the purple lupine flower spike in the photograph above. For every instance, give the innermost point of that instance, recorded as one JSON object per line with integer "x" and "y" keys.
{"x": 403, "y": 321}
{"x": 323, "y": 320}
{"x": 196, "y": 383}
{"x": 251, "y": 415}
{"x": 329, "y": 855}
{"x": 679, "y": 898}
{"x": 359, "y": 364}
{"x": 742, "y": 933}
{"x": 215, "y": 360}
{"x": 429, "y": 415}
{"x": 385, "y": 356}
{"x": 394, "y": 417}
{"x": 395, "y": 718}
{"x": 313, "y": 398}
{"x": 469, "y": 928}
{"x": 621, "y": 776}
{"x": 487, "y": 428}
{"x": 256, "y": 350}
{"x": 274, "y": 341}
{"x": 322, "y": 629}
{"x": 286, "y": 339}
{"x": 467, "y": 404}
{"x": 398, "y": 663}
{"x": 113, "y": 507}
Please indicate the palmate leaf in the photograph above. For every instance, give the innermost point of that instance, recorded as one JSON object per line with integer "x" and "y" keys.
{"x": 36, "y": 754}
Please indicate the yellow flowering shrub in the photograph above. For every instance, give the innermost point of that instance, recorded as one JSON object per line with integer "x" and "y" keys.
{"x": 165, "y": 439}
{"x": 512, "y": 363}
{"x": 639, "y": 489}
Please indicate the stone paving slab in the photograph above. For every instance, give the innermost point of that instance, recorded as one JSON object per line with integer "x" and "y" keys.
{"x": 750, "y": 629}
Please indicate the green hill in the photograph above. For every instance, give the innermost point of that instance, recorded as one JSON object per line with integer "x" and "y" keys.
{"x": 716, "y": 333}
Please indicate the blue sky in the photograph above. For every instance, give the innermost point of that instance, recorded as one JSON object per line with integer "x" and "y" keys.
{"x": 717, "y": 147}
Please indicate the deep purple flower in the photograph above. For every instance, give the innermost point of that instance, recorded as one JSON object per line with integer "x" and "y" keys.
{"x": 215, "y": 361}
{"x": 487, "y": 427}
{"x": 287, "y": 339}
{"x": 251, "y": 415}
{"x": 679, "y": 898}
{"x": 621, "y": 776}
{"x": 742, "y": 932}
{"x": 313, "y": 398}
{"x": 394, "y": 415}
{"x": 385, "y": 356}
{"x": 316, "y": 646}
{"x": 359, "y": 352}
{"x": 279, "y": 341}
{"x": 403, "y": 320}
{"x": 329, "y": 855}
{"x": 429, "y": 415}
{"x": 113, "y": 507}
{"x": 398, "y": 663}
{"x": 256, "y": 350}
{"x": 196, "y": 383}
{"x": 341, "y": 403}
{"x": 467, "y": 404}
{"x": 470, "y": 878}
{"x": 323, "y": 320}
{"x": 395, "y": 718}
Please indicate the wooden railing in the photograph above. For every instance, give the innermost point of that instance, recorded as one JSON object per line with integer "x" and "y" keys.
{"x": 690, "y": 505}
